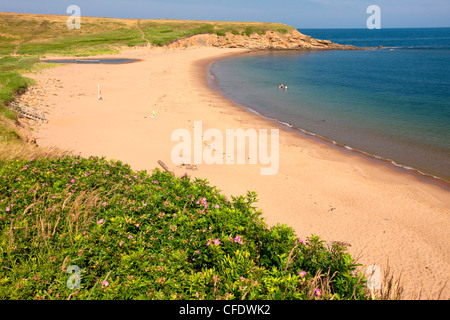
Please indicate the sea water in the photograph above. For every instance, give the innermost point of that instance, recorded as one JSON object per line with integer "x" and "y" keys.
{"x": 392, "y": 103}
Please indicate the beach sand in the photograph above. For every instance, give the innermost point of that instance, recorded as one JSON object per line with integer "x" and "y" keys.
{"x": 388, "y": 217}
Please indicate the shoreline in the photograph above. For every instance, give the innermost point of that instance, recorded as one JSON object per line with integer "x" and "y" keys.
{"x": 319, "y": 190}
{"x": 422, "y": 175}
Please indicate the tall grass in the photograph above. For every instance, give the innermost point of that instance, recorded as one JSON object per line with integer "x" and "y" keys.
{"x": 12, "y": 83}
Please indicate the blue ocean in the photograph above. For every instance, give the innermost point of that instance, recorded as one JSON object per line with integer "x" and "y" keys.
{"x": 390, "y": 102}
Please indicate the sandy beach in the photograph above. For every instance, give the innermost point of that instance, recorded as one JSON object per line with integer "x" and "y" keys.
{"x": 388, "y": 217}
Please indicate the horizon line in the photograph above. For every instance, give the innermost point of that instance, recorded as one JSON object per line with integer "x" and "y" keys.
{"x": 243, "y": 21}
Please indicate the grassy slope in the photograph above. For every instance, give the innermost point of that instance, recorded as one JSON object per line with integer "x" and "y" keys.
{"x": 151, "y": 236}
{"x": 105, "y": 35}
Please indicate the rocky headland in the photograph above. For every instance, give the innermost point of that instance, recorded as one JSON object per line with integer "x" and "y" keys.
{"x": 271, "y": 40}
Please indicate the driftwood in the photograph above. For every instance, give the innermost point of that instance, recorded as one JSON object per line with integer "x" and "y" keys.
{"x": 165, "y": 167}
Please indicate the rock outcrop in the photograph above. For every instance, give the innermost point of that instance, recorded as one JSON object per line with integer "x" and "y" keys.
{"x": 271, "y": 40}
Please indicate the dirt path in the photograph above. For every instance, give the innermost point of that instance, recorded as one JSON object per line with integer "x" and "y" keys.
{"x": 149, "y": 44}
{"x": 41, "y": 28}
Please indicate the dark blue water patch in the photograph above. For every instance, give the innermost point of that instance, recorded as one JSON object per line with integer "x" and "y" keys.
{"x": 427, "y": 38}
{"x": 92, "y": 61}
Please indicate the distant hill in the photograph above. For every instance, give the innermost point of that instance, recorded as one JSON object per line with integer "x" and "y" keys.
{"x": 37, "y": 34}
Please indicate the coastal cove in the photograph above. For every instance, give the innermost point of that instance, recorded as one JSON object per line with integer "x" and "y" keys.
{"x": 427, "y": 176}
{"x": 319, "y": 190}
{"x": 388, "y": 104}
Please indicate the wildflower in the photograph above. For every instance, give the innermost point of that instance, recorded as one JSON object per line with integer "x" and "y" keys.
{"x": 104, "y": 204}
{"x": 53, "y": 197}
{"x": 137, "y": 225}
{"x": 302, "y": 274}
{"x": 208, "y": 243}
{"x": 105, "y": 283}
{"x": 130, "y": 237}
{"x": 18, "y": 179}
{"x": 238, "y": 239}
{"x": 217, "y": 206}
{"x": 216, "y": 241}
{"x": 107, "y": 172}
{"x": 299, "y": 240}
{"x": 241, "y": 278}
{"x": 31, "y": 159}
{"x": 121, "y": 243}
{"x": 100, "y": 221}
{"x": 318, "y": 293}
{"x": 7, "y": 209}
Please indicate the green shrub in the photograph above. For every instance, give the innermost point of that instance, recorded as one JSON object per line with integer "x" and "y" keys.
{"x": 150, "y": 236}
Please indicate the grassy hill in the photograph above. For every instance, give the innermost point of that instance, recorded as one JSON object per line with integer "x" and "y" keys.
{"x": 30, "y": 34}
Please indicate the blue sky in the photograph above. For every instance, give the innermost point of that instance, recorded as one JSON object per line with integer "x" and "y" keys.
{"x": 298, "y": 13}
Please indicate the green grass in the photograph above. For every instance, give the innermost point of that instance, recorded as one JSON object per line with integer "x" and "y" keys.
{"x": 13, "y": 83}
{"x": 40, "y": 35}
{"x": 102, "y": 43}
{"x": 151, "y": 236}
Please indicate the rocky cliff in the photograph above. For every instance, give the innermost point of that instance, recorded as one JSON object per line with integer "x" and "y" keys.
{"x": 271, "y": 40}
